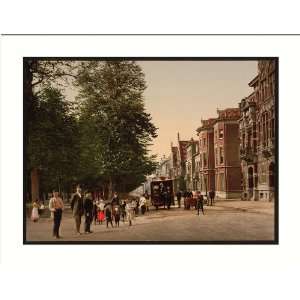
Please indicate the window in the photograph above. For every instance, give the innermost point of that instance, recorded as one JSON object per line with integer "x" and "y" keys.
{"x": 221, "y": 155}
{"x": 221, "y": 133}
{"x": 204, "y": 141}
{"x": 216, "y": 155}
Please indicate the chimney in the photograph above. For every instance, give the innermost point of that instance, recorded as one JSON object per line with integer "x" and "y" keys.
{"x": 178, "y": 136}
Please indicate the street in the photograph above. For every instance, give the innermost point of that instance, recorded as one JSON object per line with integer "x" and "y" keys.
{"x": 225, "y": 221}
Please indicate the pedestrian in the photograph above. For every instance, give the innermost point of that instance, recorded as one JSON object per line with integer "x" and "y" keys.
{"x": 133, "y": 204}
{"x": 77, "y": 208}
{"x": 143, "y": 204}
{"x": 148, "y": 201}
{"x": 117, "y": 215}
{"x": 35, "y": 211}
{"x": 108, "y": 215}
{"x": 130, "y": 211}
{"x": 101, "y": 207}
{"x": 123, "y": 210}
{"x": 211, "y": 196}
{"x": 56, "y": 206}
{"x": 178, "y": 196}
{"x": 168, "y": 197}
{"x": 95, "y": 211}
{"x": 200, "y": 203}
{"x": 88, "y": 212}
{"x": 115, "y": 200}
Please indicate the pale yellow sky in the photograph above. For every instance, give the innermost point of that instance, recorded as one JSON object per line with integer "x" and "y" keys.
{"x": 180, "y": 93}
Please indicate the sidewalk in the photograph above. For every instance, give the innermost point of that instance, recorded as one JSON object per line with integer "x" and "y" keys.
{"x": 264, "y": 207}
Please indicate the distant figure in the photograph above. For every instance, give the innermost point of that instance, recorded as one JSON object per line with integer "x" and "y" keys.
{"x": 130, "y": 211}
{"x": 101, "y": 207}
{"x": 56, "y": 207}
{"x": 168, "y": 197}
{"x": 148, "y": 202}
{"x": 108, "y": 215}
{"x": 143, "y": 204}
{"x": 35, "y": 211}
{"x": 212, "y": 196}
{"x": 95, "y": 211}
{"x": 179, "y": 195}
{"x": 115, "y": 200}
{"x": 117, "y": 215}
{"x": 123, "y": 209}
{"x": 88, "y": 212}
{"x": 137, "y": 206}
{"x": 200, "y": 203}
{"x": 77, "y": 208}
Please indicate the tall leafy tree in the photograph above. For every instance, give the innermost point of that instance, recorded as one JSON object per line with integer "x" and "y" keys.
{"x": 53, "y": 145}
{"x": 37, "y": 75}
{"x": 115, "y": 128}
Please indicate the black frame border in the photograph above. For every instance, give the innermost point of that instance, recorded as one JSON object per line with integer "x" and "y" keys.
{"x": 152, "y": 58}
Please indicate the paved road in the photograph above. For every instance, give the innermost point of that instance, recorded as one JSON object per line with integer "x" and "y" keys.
{"x": 226, "y": 221}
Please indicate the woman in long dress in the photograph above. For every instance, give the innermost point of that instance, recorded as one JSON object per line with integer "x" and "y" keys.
{"x": 35, "y": 211}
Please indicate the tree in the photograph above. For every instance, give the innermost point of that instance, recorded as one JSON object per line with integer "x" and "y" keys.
{"x": 53, "y": 146}
{"x": 37, "y": 75}
{"x": 115, "y": 128}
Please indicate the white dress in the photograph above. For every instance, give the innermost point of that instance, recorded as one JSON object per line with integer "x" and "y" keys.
{"x": 35, "y": 214}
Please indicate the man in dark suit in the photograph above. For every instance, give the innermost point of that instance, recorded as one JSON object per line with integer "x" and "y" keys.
{"x": 200, "y": 203}
{"x": 88, "y": 212}
{"x": 212, "y": 196}
{"x": 77, "y": 208}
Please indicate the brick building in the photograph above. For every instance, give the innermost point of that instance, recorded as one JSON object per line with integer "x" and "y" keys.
{"x": 178, "y": 163}
{"x": 206, "y": 158}
{"x": 257, "y": 132}
{"x": 227, "y": 154}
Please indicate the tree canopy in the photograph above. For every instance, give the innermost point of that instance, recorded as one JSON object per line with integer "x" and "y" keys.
{"x": 104, "y": 142}
{"x": 115, "y": 128}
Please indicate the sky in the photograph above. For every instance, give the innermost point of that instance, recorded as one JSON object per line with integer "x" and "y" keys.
{"x": 180, "y": 93}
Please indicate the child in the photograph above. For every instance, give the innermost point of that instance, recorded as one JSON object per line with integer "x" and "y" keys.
{"x": 35, "y": 211}
{"x": 101, "y": 206}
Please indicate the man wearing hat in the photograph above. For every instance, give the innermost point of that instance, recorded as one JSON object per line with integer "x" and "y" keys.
{"x": 77, "y": 208}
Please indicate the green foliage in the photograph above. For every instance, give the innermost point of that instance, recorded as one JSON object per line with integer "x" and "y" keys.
{"x": 115, "y": 129}
{"x": 104, "y": 141}
{"x": 53, "y": 140}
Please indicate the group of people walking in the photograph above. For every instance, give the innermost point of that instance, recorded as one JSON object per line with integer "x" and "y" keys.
{"x": 99, "y": 211}
{"x": 110, "y": 212}
{"x": 195, "y": 198}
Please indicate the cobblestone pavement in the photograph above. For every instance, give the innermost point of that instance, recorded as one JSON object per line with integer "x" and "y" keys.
{"x": 225, "y": 221}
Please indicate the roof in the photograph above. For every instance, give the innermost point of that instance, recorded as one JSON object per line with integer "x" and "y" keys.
{"x": 229, "y": 114}
{"x": 206, "y": 124}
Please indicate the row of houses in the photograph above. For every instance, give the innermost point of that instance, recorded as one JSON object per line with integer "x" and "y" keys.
{"x": 234, "y": 153}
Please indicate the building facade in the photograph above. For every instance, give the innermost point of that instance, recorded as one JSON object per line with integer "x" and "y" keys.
{"x": 164, "y": 168}
{"x": 227, "y": 154}
{"x": 206, "y": 156}
{"x": 191, "y": 148}
{"x": 258, "y": 136}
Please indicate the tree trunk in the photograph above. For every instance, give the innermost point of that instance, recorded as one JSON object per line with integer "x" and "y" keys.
{"x": 35, "y": 186}
{"x": 110, "y": 188}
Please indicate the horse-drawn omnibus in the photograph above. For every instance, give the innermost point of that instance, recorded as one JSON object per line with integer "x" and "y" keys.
{"x": 162, "y": 193}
